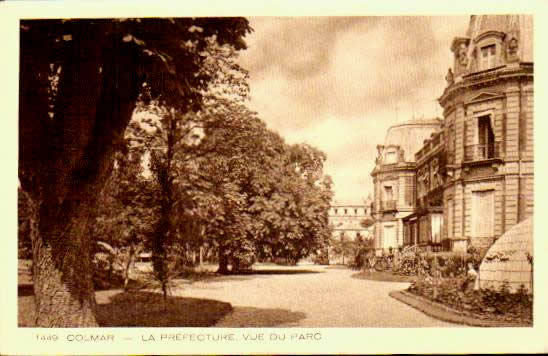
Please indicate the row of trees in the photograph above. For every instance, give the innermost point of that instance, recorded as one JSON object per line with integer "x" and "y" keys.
{"x": 216, "y": 178}
{"x": 100, "y": 97}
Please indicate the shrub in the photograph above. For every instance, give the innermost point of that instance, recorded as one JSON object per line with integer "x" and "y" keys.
{"x": 414, "y": 262}
{"x": 105, "y": 275}
{"x": 488, "y": 302}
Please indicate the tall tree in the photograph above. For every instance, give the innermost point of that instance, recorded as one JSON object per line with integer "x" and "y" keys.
{"x": 79, "y": 83}
{"x": 270, "y": 199}
{"x": 172, "y": 139}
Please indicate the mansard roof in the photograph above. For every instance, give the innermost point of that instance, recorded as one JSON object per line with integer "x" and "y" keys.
{"x": 410, "y": 135}
{"x": 520, "y": 26}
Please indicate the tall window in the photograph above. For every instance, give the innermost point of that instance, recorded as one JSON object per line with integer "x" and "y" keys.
{"x": 388, "y": 195}
{"x": 436, "y": 225}
{"x": 487, "y": 59}
{"x": 483, "y": 215}
{"x": 486, "y": 138}
{"x": 389, "y": 236}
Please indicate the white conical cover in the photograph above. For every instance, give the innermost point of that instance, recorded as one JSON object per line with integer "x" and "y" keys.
{"x": 507, "y": 259}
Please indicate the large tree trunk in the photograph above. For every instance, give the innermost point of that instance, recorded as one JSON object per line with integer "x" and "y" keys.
{"x": 63, "y": 284}
{"x": 64, "y": 163}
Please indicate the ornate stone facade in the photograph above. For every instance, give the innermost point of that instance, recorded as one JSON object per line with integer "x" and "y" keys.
{"x": 477, "y": 172}
{"x": 394, "y": 178}
{"x": 488, "y": 126}
{"x": 347, "y": 219}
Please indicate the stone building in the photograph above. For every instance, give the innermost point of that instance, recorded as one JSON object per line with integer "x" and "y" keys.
{"x": 424, "y": 227}
{"x": 346, "y": 220}
{"x": 394, "y": 179}
{"x": 488, "y": 116}
{"x": 477, "y": 172}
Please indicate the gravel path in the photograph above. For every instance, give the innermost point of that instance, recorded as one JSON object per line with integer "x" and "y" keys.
{"x": 308, "y": 296}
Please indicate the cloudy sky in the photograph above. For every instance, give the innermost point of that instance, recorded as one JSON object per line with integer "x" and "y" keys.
{"x": 338, "y": 83}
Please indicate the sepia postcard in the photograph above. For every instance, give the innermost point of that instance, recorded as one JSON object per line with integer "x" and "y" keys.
{"x": 277, "y": 178}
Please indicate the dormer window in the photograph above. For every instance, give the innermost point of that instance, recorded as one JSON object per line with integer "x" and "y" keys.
{"x": 487, "y": 52}
{"x": 487, "y": 57}
{"x": 390, "y": 157}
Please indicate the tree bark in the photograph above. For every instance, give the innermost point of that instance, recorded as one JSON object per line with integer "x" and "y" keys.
{"x": 223, "y": 262}
{"x": 63, "y": 284}
{"x": 68, "y": 166}
{"x": 130, "y": 262}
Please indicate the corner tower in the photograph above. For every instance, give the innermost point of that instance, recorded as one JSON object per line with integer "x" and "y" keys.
{"x": 488, "y": 126}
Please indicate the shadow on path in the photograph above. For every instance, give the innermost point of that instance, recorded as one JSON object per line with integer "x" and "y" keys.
{"x": 278, "y": 271}
{"x": 245, "y": 317}
{"x": 146, "y": 309}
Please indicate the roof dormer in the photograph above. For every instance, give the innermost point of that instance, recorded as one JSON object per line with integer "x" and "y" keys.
{"x": 488, "y": 51}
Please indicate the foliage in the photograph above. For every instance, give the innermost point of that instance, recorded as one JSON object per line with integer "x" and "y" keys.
{"x": 367, "y": 222}
{"x": 485, "y": 302}
{"x": 341, "y": 246}
{"x": 353, "y": 251}
{"x": 171, "y": 139}
{"x": 263, "y": 198}
{"x": 125, "y": 218}
{"x": 80, "y": 82}
{"x": 106, "y": 274}
{"x": 166, "y": 57}
{"x": 224, "y": 179}
{"x": 413, "y": 262}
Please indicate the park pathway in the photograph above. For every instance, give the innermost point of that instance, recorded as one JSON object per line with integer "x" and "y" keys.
{"x": 308, "y": 296}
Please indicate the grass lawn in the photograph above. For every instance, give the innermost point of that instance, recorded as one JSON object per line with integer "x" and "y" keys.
{"x": 116, "y": 308}
{"x": 144, "y": 308}
{"x": 382, "y": 276}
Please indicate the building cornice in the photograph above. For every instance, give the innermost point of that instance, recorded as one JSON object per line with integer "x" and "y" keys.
{"x": 484, "y": 78}
{"x": 396, "y": 167}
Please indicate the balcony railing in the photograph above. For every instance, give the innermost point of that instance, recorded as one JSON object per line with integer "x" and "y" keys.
{"x": 482, "y": 152}
{"x": 388, "y": 205}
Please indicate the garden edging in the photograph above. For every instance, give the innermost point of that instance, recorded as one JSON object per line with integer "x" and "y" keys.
{"x": 445, "y": 313}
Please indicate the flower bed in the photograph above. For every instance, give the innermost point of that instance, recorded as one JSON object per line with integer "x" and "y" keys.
{"x": 486, "y": 303}
{"x": 449, "y": 264}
